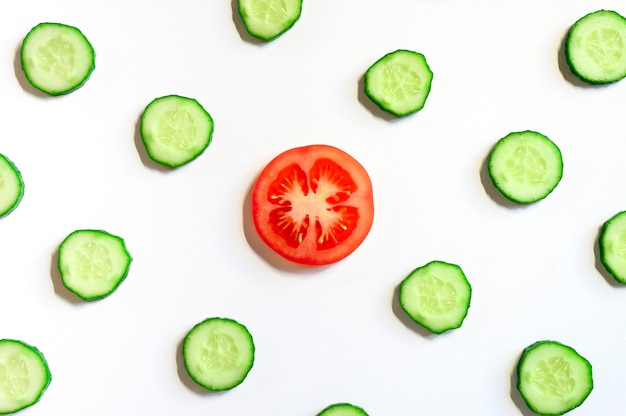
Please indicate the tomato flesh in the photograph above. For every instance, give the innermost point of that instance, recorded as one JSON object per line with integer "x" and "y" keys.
{"x": 313, "y": 205}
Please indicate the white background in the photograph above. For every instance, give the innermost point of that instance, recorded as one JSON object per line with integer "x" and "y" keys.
{"x": 335, "y": 333}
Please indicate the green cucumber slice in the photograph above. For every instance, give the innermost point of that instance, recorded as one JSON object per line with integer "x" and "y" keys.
{"x": 268, "y": 19}
{"x": 342, "y": 409}
{"x": 24, "y": 375}
{"x": 612, "y": 245}
{"x": 595, "y": 48}
{"x": 553, "y": 378}
{"x": 218, "y": 353}
{"x": 11, "y": 186}
{"x": 525, "y": 166}
{"x": 93, "y": 263}
{"x": 399, "y": 82}
{"x": 437, "y": 296}
{"x": 57, "y": 58}
{"x": 175, "y": 130}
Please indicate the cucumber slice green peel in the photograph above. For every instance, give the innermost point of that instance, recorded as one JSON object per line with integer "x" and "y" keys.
{"x": 24, "y": 375}
{"x": 93, "y": 263}
{"x": 612, "y": 244}
{"x": 268, "y": 19}
{"x": 218, "y": 353}
{"x": 399, "y": 82}
{"x": 342, "y": 409}
{"x": 57, "y": 58}
{"x": 175, "y": 130}
{"x": 553, "y": 378}
{"x": 595, "y": 47}
{"x": 525, "y": 166}
{"x": 11, "y": 186}
{"x": 437, "y": 296}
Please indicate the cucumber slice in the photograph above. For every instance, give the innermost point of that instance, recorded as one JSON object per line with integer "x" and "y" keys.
{"x": 11, "y": 186}
{"x": 218, "y": 353}
{"x": 553, "y": 378}
{"x": 595, "y": 48}
{"x": 342, "y": 409}
{"x": 24, "y": 375}
{"x": 268, "y": 19}
{"x": 436, "y": 296}
{"x": 93, "y": 263}
{"x": 399, "y": 82}
{"x": 175, "y": 130}
{"x": 525, "y": 166}
{"x": 612, "y": 245}
{"x": 57, "y": 58}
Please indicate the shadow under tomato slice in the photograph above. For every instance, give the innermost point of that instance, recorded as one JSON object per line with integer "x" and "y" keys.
{"x": 313, "y": 205}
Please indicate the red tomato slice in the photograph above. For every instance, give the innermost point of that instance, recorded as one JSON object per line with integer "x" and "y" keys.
{"x": 313, "y": 205}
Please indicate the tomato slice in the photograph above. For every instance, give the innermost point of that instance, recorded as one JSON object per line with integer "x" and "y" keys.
{"x": 313, "y": 205}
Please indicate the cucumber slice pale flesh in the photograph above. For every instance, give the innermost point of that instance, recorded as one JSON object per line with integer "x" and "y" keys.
{"x": 342, "y": 409}
{"x": 399, "y": 82}
{"x": 553, "y": 378}
{"x": 218, "y": 353}
{"x": 525, "y": 166}
{"x": 11, "y": 186}
{"x": 612, "y": 246}
{"x": 175, "y": 130}
{"x": 595, "y": 47}
{"x": 93, "y": 263}
{"x": 24, "y": 375}
{"x": 268, "y": 19}
{"x": 437, "y": 296}
{"x": 57, "y": 58}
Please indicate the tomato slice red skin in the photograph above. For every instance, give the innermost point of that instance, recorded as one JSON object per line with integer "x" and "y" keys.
{"x": 329, "y": 192}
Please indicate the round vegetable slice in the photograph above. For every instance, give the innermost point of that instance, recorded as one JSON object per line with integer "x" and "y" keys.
{"x": 525, "y": 166}
{"x": 24, "y": 375}
{"x": 595, "y": 48}
{"x": 11, "y": 186}
{"x": 342, "y": 409}
{"x": 313, "y": 205}
{"x": 437, "y": 296}
{"x": 175, "y": 130}
{"x": 218, "y": 353}
{"x": 613, "y": 246}
{"x": 57, "y": 58}
{"x": 399, "y": 82}
{"x": 268, "y": 19}
{"x": 93, "y": 263}
{"x": 553, "y": 378}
